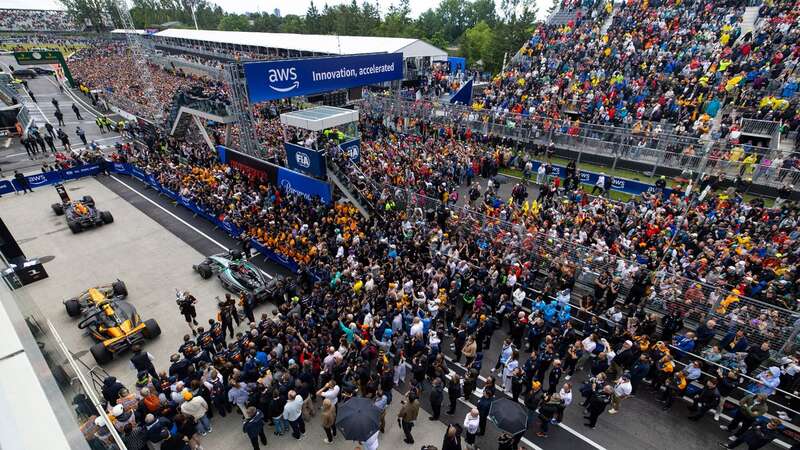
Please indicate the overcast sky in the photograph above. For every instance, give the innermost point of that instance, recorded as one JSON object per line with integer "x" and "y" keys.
{"x": 298, "y": 7}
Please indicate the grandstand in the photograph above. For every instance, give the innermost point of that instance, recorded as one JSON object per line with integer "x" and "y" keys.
{"x": 37, "y": 20}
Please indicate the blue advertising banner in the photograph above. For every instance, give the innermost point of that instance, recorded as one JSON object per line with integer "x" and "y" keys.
{"x": 137, "y": 173}
{"x": 122, "y": 168}
{"x": 353, "y": 149}
{"x": 6, "y": 187}
{"x": 271, "y": 80}
{"x": 625, "y": 185}
{"x": 222, "y": 154}
{"x": 80, "y": 172}
{"x": 304, "y": 160}
{"x": 40, "y": 179}
{"x": 297, "y": 183}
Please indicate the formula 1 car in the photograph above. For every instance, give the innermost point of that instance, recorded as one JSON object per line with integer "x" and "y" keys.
{"x": 238, "y": 275}
{"x": 81, "y": 213}
{"x": 110, "y": 320}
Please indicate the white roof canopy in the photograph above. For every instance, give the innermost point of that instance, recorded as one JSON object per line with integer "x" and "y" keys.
{"x": 315, "y": 43}
{"x": 319, "y": 118}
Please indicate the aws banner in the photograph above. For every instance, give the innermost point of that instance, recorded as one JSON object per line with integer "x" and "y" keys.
{"x": 299, "y": 184}
{"x": 271, "y": 80}
{"x": 305, "y": 160}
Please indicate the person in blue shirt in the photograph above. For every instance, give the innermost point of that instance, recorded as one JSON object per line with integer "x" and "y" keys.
{"x": 684, "y": 343}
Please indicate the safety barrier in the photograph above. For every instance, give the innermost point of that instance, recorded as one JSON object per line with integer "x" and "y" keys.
{"x": 231, "y": 228}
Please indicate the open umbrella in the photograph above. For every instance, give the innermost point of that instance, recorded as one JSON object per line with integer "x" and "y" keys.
{"x": 358, "y": 419}
{"x": 509, "y": 415}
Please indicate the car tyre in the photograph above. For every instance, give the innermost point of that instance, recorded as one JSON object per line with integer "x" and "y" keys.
{"x": 58, "y": 208}
{"x": 205, "y": 271}
{"x": 101, "y": 354}
{"x": 75, "y": 227}
{"x": 107, "y": 217}
{"x": 88, "y": 200}
{"x": 151, "y": 329}
{"x": 73, "y": 307}
{"x": 119, "y": 288}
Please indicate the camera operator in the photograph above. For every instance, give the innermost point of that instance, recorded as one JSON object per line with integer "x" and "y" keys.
{"x": 186, "y": 302}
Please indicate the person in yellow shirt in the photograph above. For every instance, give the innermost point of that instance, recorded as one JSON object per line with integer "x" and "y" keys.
{"x": 748, "y": 164}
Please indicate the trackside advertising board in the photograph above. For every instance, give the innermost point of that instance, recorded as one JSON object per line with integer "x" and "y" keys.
{"x": 271, "y": 80}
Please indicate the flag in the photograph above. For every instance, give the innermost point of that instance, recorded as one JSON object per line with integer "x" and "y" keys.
{"x": 464, "y": 95}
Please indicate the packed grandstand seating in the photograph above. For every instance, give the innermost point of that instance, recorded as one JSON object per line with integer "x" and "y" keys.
{"x": 36, "y": 20}
{"x": 110, "y": 68}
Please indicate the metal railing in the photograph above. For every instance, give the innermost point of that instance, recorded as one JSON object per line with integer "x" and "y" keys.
{"x": 630, "y": 148}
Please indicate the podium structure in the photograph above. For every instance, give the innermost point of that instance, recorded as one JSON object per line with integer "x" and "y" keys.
{"x": 309, "y": 134}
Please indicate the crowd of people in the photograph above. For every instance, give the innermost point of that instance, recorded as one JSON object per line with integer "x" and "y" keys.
{"x": 662, "y": 70}
{"x": 36, "y": 20}
{"x": 110, "y": 68}
{"x": 381, "y": 302}
{"x": 690, "y": 293}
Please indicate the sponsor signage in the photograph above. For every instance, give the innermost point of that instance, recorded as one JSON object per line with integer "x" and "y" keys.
{"x": 252, "y": 166}
{"x": 271, "y": 80}
{"x": 299, "y": 184}
{"x": 302, "y": 159}
{"x": 36, "y": 58}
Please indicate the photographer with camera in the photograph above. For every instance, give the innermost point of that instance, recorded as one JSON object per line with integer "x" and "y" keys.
{"x": 186, "y": 302}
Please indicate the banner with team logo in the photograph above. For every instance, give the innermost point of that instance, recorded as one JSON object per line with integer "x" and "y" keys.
{"x": 305, "y": 160}
{"x": 272, "y": 80}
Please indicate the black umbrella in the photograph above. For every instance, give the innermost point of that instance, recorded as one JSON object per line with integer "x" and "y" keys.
{"x": 358, "y": 419}
{"x": 509, "y": 415}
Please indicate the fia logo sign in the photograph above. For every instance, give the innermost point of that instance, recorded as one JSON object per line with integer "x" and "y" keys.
{"x": 282, "y": 76}
{"x": 353, "y": 152}
{"x": 302, "y": 160}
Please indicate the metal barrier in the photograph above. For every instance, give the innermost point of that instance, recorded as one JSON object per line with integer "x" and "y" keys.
{"x": 757, "y": 127}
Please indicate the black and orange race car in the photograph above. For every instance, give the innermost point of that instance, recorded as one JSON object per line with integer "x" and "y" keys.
{"x": 80, "y": 214}
{"x": 110, "y": 320}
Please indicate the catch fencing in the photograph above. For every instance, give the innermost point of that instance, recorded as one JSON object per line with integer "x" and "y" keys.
{"x": 649, "y": 149}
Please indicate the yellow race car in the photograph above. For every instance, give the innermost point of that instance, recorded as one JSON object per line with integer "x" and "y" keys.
{"x": 110, "y": 320}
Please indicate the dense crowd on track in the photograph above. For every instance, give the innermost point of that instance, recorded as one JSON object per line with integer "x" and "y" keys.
{"x": 392, "y": 301}
{"x": 585, "y": 299}
{"x": 36, "y": 20}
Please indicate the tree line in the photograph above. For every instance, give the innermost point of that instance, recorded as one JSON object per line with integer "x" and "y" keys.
{"x": 470, "y": 28}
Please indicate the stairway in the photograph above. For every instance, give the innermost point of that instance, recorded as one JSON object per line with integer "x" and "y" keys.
{"x": 179, "y": 128}
{"x": 749, "y": 19}
{"x": 339, "y": 180}
{"x": 562, "y": 16}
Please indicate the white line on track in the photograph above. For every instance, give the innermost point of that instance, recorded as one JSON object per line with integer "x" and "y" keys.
{"x": 191, "y": 227}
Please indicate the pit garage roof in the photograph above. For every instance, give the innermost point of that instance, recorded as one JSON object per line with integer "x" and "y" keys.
{"x": 319, "y": 118}
{"x": 316, "y": 43}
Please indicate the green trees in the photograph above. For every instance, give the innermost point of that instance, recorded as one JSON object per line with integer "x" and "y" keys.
{"x": 234, "y": 22}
